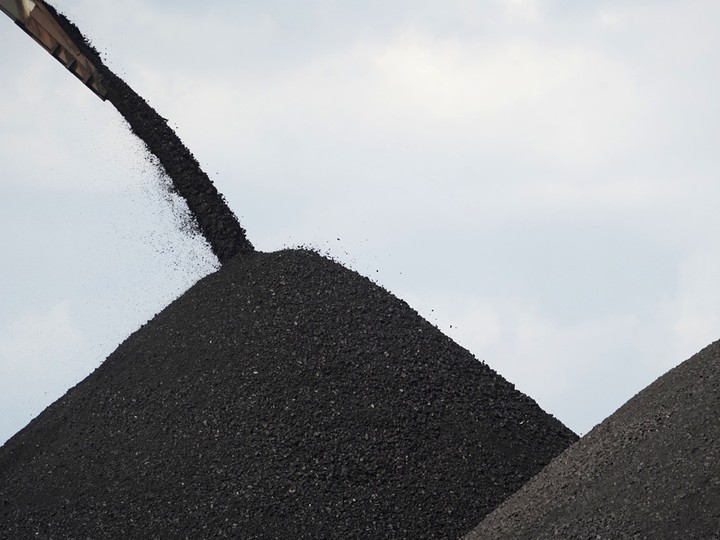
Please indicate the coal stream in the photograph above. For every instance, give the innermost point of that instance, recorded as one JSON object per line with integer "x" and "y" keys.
{"x": 211, "y": 214}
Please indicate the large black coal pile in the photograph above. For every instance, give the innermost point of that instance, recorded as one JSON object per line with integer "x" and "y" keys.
{"x": 651, "y": 470}
{"x": 281, "y": 397}
{"x": 211, "y": 214}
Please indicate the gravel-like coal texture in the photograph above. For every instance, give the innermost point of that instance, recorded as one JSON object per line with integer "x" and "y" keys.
{"x": 283, "y": 396}
{"x": 651, "y": 470}
{"x": 213, "y": 218}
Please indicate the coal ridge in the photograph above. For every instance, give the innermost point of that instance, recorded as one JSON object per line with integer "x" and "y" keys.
{"x": 211, "y": 214}
{"x": 283, "y": 396}
{"x": 650, "y": 470}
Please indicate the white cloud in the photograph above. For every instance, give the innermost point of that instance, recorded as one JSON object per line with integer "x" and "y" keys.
{"x": 588, "y": 195}
{"x": 696, "y": 310}
{"x": 38, "y": 335}
{"x": 564, "y": 106}
{"x": 559, "y": 105}
{"x": 523, "y": 10}
{"x": 41, "y": 354}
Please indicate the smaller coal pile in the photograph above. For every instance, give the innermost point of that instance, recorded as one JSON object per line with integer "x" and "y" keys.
{"x": 284, "y": 397}
{"x": 651, "y": 470}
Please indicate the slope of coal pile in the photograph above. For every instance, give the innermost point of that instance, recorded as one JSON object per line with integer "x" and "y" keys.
{"x": 281, "y": 397}
{"x": 651, "y": 470}
{"x": 213, "y": 218}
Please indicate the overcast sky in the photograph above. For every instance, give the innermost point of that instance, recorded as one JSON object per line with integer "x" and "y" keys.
{"x": 537, "y": 178}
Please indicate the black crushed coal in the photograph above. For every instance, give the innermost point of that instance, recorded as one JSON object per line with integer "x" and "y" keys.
{"x": 283, "y": 396}
{"x": 650, "y": 470}
{"x": 211, "y": 214}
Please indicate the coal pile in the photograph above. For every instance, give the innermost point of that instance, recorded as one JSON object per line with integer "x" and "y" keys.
{"x": 651, "y": 470}
{"x": 283, "y": 396}
{"x": 211, "y": 214}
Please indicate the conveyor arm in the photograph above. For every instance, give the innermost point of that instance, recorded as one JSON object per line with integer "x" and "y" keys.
{"x": 35, "y": 19}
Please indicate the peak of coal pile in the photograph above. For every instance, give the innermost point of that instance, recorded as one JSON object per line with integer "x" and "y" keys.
{"x": 650, "y": 470}
{"x": 210, "y": 213}
{"x": 284, "y": 396}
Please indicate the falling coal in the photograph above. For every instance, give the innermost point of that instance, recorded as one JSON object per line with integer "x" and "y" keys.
{"x": 208, "y": 208}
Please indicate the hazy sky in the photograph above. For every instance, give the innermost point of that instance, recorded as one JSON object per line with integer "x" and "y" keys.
{"x": 537, "y": 178}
